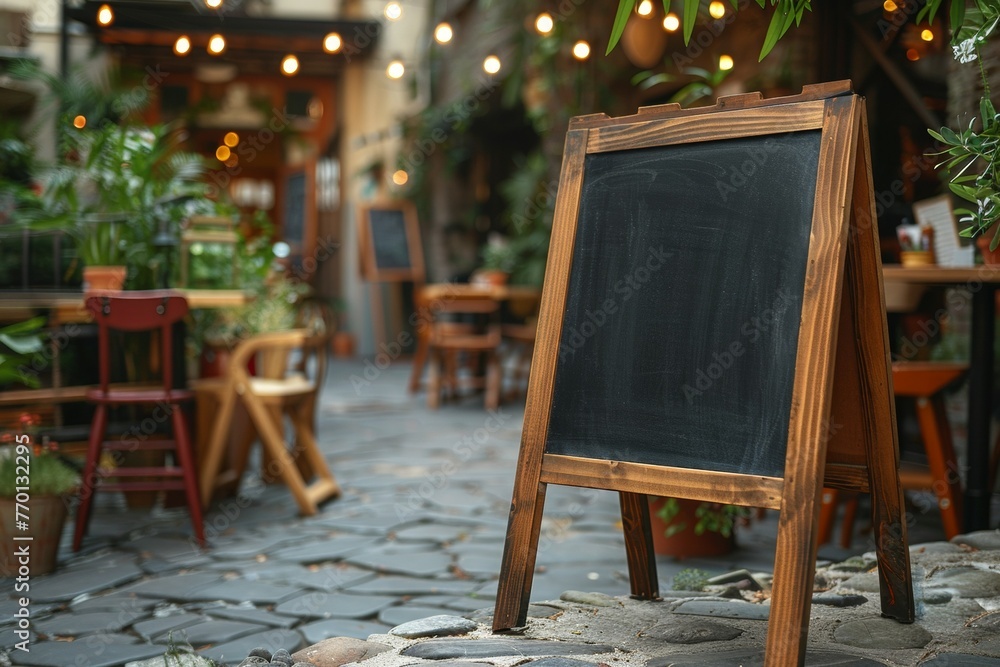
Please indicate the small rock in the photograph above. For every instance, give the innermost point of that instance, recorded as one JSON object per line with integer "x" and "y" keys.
{"x": 866, "y": 582}
{"x": 881, "y": 633}
{"x": 936, "y": 548}
{"x": 937, "y": 596}
{"x": 448, "y": 649}
{"x": 838, "y": 600}
{"x": 854, "y": 564}
{"x": 970, "y": 582}
{"x": 260, "y": 653}
{"x": 338, "y": 651}
{"x": 724, "y": 609}
{"x": 434, "y": 626}
{"x": 737, "y": 577}
{"x": 960, "y": 660}
{"x": 684, "y": 631}
{"x": 255, "y": 661}
{"x": 981, "y": 539}
{"x": 592, "y": 599}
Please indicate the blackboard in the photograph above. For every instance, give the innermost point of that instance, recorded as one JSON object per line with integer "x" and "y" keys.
{"x": 390, "y": 243}
{"x": 294, "y": 222}
{"x": 682, "y": 315}
{"x": 712, "y": 293}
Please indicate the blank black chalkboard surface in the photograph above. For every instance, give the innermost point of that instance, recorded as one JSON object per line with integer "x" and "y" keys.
{"x": 390, "y": 243}
{"x": 712, "y": 305}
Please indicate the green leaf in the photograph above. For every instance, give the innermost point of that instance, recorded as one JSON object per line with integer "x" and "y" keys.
{"x": 988, "y": 111}
{"x": 690, "y": 17}
{"x": 735, "y": 3}
{"x": 22, "y": 344}
{"x": 996, "y": 239}
{"x": 27, "y": 326}
{"x": 621, "y": 18}
{"x": 781, "y": 21}
{"x": 964, "y": 191}
{"x": 957, "y": 17}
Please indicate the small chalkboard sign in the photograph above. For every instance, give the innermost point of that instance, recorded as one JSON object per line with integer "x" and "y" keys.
{"x": 712, "y": 297}
{"x": 390, "y": 244}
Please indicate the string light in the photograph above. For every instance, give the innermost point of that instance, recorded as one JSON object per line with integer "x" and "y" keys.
{"x": 222, "y": 153}
{"x": 216, "y": 44}
{"x": 333, "y": 42}
{"x": 927, "y": 35}
{"x": 80, "y": 122}
{"x": 395, "y": 70}
{"x": 231, "y": 139}
{"x": 491, "y": 64}
{"x": 400, "y": 177}
{"x": 393, "y": 11}
{"x": 544, "y": 24}
{"x": 725, "y": 62}
{"x": 213, "y": 4}
{"x": 645, "y": 8}
{"x": 581, "y": 50}
{"x": 289, "y": 65}
{"x": 105, "y": 16}
{"x": 716, "y": 10}
{"x": 183, "y": 45}
{"x": 443, "y": 33}
{"x": 912, "y": 55}
{"x": 889, "y": 6}
{"x": 671, "y": 22}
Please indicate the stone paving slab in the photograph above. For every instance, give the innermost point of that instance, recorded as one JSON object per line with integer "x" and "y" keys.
{"x": 317, "y": 604}
{"x": 64, "y": 586}
{"x": 755, "y": 658}
{"x": 87, "y": 623}
{"x": 161, "y": 626}
{"x": 109, "y": 650}
{"x": 338, "y": 627}
{"x": 211, "y": 632}
{"x": 319, "y": 551}
{"x": 235, "y": 651}
{"x": 251, "y": 615}
{"x": 399, "y": 585}
{"x": 447, "y": 649}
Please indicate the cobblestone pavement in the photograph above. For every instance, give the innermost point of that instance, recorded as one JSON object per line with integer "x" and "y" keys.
{"x": 418, "y": 532}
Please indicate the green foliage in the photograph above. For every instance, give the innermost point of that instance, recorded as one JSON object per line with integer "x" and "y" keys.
{"x": 710, "y": 517}
{"x": 691, "y": 579}
{"x": 18, "y": 344}
{"x": 786, "y": 12}
{"x": 703, "y": 85}
{"x": 48, "y": 474}
{"x": 970, "y": 155}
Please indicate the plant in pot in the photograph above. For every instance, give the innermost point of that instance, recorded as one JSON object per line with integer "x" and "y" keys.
{"x": 499, "y": 261}
{"x": 684, "y": 528}
{"x": 36, "y": 483}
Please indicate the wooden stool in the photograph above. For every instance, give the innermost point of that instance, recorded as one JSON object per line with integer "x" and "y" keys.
{"x": 922, "y": 380}
{"x": 156, "y": 311}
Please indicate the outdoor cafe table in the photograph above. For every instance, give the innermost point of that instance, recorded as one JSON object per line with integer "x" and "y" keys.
{"x": 426, "y": 295}
{"x": 982, "y": 282}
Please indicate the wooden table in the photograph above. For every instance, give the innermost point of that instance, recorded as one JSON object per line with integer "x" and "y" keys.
{"x": 68, "y": 307}
{"x": 982, "y": 282}
{"x": 426, "y": 295}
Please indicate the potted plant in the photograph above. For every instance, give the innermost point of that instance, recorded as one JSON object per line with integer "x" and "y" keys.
{"x": 499, "y": 261}
{"x": 36, "y": 483}
{"x": 684, "y": 528}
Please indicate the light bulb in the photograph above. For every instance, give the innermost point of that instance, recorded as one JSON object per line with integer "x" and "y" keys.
{"x": 182, "y": 46}
{"x": 216, "y": 44}
{"x": 544, "y": 24}
{"x": 491, "y": 64}
{"x": 927, "y": 35}
{"x": 213, "y": 4}
{"x": 889, "y": 6}
{"x": 671, "y": 22}
{"x": 395, "y": 70}
{"x": 222, "y": 153}
{"x": 645, "y": 8}
{"x": 400, "y": 177}
{"x": 80, "y": 122}
{"x": 231, "y": 139}
{"x": 333, "y": 42}
{"x": 443, "y": 33}
{"x": 716, "y": 10}
{"x": 581, "y": 50}
{"x": 105, "y": 16}
{"x": 725, "y": 62}
{"x": 289, "y": 65}
{"x": 393, "y": 11}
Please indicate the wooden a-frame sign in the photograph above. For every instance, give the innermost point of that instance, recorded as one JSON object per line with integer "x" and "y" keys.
{"x": 639, "y": 194}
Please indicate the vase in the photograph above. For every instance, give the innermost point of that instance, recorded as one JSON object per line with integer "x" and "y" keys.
{"x": 45, "y": 517}
{"x": 103, "y": 278}
{"x": 685, "y": 543}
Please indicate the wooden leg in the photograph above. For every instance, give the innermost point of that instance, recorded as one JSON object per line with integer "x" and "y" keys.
{"x": 281, "y": 461}
{"x": 185, "y": 457}
{"x": 434, "y": 381}
{"x": 216, "y": 446}
{"x": 90, "y": 474}
{"x": 311, "y": 454}
{"x": 493, "y": 380}
{"x": 941, "y": 457}
{"x": 419, "y": 359}
{"x": 639, "y": 546}
{"x": 847, "y": 527}
{"x": 827, "y": 515}
{"x": 517, "y": 568}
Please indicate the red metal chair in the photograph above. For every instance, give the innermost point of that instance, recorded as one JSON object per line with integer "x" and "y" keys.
{"x": 158, "y": 312}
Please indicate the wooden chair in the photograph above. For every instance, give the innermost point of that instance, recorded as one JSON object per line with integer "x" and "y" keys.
{"x": 924, "y": 382}
{"x": 277, "y": 390}
{"x": 158, "y": 312}
{"x": 449, "y": 339}
{"x": 520, "y": 339}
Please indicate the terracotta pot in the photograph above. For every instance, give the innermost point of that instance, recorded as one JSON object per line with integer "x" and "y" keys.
{"x": 342, "y": 344}
{"x": 915, "y": 258}
{"x": 983, "y": 243}
{"x": 47, "y": 516}
{"x": 685, "y": 543}
{"x": 103, "y": 278}
{"x": 489, "y": 277}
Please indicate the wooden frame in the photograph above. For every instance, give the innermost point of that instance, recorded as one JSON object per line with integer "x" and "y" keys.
{"x": 836, "y": 377}
{"x": 369, "y": 266}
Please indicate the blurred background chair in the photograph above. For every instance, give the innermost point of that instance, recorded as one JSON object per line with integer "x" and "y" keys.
{"x": 463, "y": 341}
{"x": 132, "y": 312}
